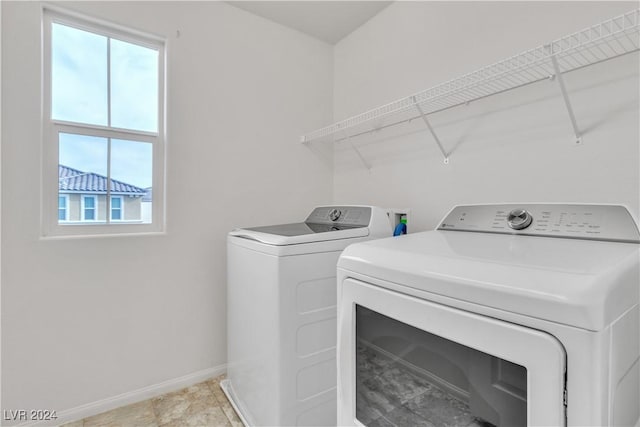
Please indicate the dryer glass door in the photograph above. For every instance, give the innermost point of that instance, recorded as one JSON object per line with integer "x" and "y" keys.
{"x": 414, "y": 362}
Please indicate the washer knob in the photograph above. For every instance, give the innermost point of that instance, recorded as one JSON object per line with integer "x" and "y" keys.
{"x": 334, "y": 214}
{"x": 519, "y": 219}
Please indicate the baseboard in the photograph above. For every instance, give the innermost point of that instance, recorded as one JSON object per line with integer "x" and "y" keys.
{"x": 225, "y": 385}
{"x": 100, "y": 406}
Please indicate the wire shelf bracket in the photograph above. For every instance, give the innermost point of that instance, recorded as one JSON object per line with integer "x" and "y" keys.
{"x": 435, "y": 136}
{"x": 362, "y": 159}
{"x": 604, "y": 41}
{"x": 565, "y": 97}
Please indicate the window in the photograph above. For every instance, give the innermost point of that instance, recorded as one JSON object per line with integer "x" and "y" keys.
{"x": 63, "y": 202}
{"x": 103, "y": 127}
{"x": 89, "y": 208}
{"x": 116, "y": 208}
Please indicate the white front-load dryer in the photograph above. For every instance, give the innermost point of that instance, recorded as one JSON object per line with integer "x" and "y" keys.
{"x": 281, "y": 314}
{"x": 506, "y": 315}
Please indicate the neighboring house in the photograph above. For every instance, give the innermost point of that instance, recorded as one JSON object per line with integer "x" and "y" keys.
{"x": 147, "y": 201}
{"x": 82, "y": 197}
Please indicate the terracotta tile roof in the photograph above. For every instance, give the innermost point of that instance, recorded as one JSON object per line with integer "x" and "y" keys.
{"x": 74, "y": 180}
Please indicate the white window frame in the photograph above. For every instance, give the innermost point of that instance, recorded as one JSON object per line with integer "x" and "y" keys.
{"x": 51, "y": 227}
{"x": 121, "y": 209}
{"x": 66, "y": 207}
{"x": 83, "y": 218}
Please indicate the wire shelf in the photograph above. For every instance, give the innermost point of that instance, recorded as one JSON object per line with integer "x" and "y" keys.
{"x": 606, "y": 40}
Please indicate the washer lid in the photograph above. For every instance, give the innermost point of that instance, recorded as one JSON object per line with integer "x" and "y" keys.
{"x": 582, "y": 283}
{"x": 301, "y": 232}
{"x": 323, "y": 223}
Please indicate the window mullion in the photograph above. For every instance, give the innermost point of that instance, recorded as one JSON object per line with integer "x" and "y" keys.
{"x": 108, "y": 206}
{"x": 109, "y": 82}
{"x": 108, "y": 213}
{"x": 103, "y": 132}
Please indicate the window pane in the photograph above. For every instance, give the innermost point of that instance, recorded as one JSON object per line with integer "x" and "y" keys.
{"x": 82, "y": 170}
{"x": 85, "y": 153}
{"x": 79, "y": 76}
{"x": 131, "y": 173}
{"x": 134, "y": 86}
{"x": 89, "y": 208}
{"x": 116, "y": 208}
{"x": 62, "y": 208}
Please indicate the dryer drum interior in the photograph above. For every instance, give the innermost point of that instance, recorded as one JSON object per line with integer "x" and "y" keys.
{"x": 423, "y": 377}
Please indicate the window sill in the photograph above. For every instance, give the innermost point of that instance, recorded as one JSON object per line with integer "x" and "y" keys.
{"x": 54, "y": 237}
{"x": 79, "y": 230}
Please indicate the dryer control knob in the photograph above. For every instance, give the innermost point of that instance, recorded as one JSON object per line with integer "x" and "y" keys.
{"x": 334, "y": 214}
{"x": 519, "y": 219}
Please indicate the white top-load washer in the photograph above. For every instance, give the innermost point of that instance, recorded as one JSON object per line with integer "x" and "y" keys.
{"x": 506, "y": 315}
{"x": 281, "y": 314}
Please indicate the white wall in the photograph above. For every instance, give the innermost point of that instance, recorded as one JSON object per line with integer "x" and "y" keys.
{"x": 0, "y": 207}
{"x": 517, "y": 146}
{"x": 89, "y": 319}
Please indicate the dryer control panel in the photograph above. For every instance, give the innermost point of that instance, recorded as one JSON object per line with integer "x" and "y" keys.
{"x": 592, "y": 222}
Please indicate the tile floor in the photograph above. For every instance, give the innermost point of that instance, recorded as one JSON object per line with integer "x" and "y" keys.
{"x": 201, "y": 405}
{"x": 388, "y": 394}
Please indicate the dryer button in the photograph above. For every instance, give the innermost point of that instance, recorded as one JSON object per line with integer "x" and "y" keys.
{"x": 519, "y": 219}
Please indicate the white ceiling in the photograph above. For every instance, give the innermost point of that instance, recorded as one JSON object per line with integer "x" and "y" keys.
{"x": 329, "y": 21}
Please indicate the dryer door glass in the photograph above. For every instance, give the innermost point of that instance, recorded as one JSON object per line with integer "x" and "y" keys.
{"x": 408, "y": 376}
{"x": 404, "y": 360}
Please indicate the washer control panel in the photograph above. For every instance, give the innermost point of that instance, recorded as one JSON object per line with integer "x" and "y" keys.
{"x": 355, "y": 216}
{"x": 593, "y": 222}
{"x": 334, "y": 214}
